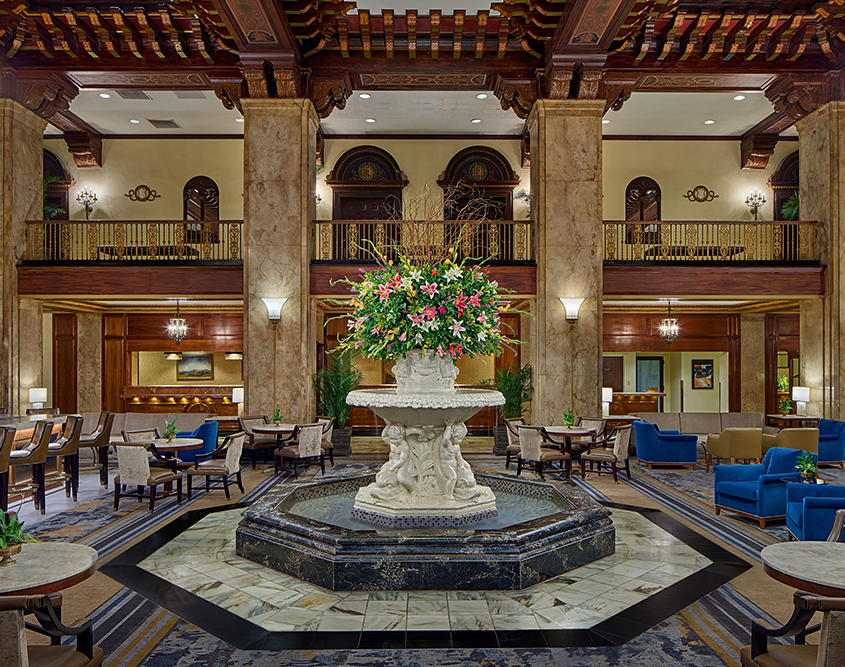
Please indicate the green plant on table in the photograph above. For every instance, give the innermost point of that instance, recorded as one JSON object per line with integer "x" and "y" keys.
{"x": 277, "y": 416}
{"x": 569, "y": 418}
{"x": 783, "y": 383}
{"x": 170, "y": 428}
{"x": 806, "y": 464}
{"x": 11, "y": 530}
{"x": 785, "y": 405}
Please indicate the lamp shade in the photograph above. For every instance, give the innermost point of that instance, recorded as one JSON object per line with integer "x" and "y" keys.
{"x": 238, "y": 395}
{"x": 274, "y": 307}
{"x": 572, "y": 306}
{"x": 801, "y": 394}
{"x": 38, "y": 395}
{"x": 607, "y": 394}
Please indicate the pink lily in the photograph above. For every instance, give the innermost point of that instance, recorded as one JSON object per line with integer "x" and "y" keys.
{"x": 430, "y": 289}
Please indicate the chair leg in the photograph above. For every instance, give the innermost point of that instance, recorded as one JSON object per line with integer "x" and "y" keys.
{"x": 707, "y": 462}
{"x": 240, "y": 481}
{"x": 331, "y": 456}
{"x": 152, "y": 498}
{"x": 140, "y": 491}
{"x": 41, "y": 491}
{"x": 628, "y": 468}
{"x": 323, "y": 463}
{"x": 116, "y": 495}
{"x": 75, "y": 475}
{"x": 507, "y": 460}
{"x": 208, "y": 483}
{"x": 4, "y": 491}
{"x": 179, "y": 490}
{"x": 762, "y": 523}
{"x": 190, "y": 485}
{"x": 518, "y": 466}
{"x": 568, "y": 467}
{"x": 540, "y": 469}
{"x": 613, "y": 471}
{"x": 295, "y": 472}
{"x": 104, "y": 465}
{"x": 226, "y": 486}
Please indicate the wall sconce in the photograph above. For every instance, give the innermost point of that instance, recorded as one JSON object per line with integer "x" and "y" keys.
{"x": 172, "y": 356}
{"x": 233, "y": 356}
{"x": 87, "y": 198}
{"x": 38, "y": 397}
{"x": 274, "y": 309}
{"x": 801, "y": 395}
{"x": 755, "y": 201}
{"x": 572, "y": 306}
{"x": 317, "y": 198}
{"x": 606, "y": 400}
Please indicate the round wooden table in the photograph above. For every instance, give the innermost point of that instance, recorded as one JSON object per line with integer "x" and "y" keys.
{"x": 166, "y": 446}
{"x": 569, "y": 432}
{"x": 279, "y": 430}
{"x": 815, "y": 567}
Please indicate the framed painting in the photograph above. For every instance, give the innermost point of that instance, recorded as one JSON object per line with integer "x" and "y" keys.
{"x": 195, "y": 367}
{"x": 702, "y": 373}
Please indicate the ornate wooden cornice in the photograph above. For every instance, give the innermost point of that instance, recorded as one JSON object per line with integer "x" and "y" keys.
{"x": 517, "y": 95}
{"x": 86, "y": 149}
{"x": 797, "y": 97}
{"x": 330, "y": 95}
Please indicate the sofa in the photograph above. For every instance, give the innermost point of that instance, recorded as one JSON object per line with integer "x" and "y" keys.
{"x": 704, "y": 423}
{"x": 657, "y": 447}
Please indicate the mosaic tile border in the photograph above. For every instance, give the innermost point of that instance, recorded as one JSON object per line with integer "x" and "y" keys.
{"x": 422, "y": 521}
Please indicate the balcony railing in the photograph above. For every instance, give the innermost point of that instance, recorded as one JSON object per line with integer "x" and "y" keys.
{"x": 353, "y": 240}
{"x": 135, "y": 240}
{"x": 672, "y": 241}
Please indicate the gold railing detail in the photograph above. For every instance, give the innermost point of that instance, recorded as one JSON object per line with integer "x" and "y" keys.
{"x": 131, "y": 240}
{"x": 754, "y": 241}
{"x": 353, "y": 240}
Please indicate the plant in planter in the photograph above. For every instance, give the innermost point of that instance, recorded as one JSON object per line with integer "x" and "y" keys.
{"x": 569, "y": 418}
{"x": 277, "y": 416}
{"x": 11, "y": 537}
{"x": 170, "y": 429}
{"x": 785, "y": 405}
{"x": 791, "y": 208}
{"x": 332, "y": 384}
{"x": 807, "y": 467}
{"x": 783, "y": 383}
{"x": 517, "y": 386}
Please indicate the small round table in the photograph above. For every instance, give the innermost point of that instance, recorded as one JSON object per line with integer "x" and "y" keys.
{"x": 815, "y": 567}
{"x": 173, "y": 445}
{"x": 569, "y": 432}
{"x": 279, "y": 430}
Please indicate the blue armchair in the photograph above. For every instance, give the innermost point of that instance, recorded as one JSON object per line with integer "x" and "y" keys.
{"x": 832, "y": 442}
{"x": 656, "y": 447}
{"x": 811, "y": 508}
{"x": 757, "y": 491}
{"x": 208, "y": 433}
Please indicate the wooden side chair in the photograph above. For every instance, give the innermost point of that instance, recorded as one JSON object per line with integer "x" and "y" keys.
{"x": 133, "y": 465}
{"x": 47, "y": 610}
{"x": 532, "y": 451}
{"x": 99, "y": 440}
{"x": 256, "y": 442}
{"x": 328, "y": 429}
{"x": 147, "y": 436}
{"x": 67, "y": 448}
{"x": 7, "y": 443}
{"x": 306, "y": 446}
{"x": 513, "y": 439}
{"x": 599, "y": 453}
{"x": 232, "y": 447}
{"x": 34, "y": 454}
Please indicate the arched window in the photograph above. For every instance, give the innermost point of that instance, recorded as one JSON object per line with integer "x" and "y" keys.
{"x": 784, "y": 182}
{"x": 642, "y": 199}
{"x": 483, "y": 172}
{"x": 201, "y": 201}
{"x": 59, "y": 181}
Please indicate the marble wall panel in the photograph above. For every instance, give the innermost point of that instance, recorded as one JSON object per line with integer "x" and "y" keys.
{"x": 89, "y": 365}
{"x": 21, "y": 171}
{"x": 30, "y": 350}
{"x": 279, "y": 176}
{"x": 566, "y": 181}
{"x": 752, "y": 335}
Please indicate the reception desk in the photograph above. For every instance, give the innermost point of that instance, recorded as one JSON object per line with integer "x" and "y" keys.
{"x": 628, "y": 403}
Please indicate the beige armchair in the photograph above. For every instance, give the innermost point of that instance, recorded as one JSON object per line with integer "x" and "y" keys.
{"x": 803, "y": 439}
{"x": 733, "y": 444}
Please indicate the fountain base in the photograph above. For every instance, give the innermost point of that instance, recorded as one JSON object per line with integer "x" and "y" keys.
{"x": 441, "y": 513}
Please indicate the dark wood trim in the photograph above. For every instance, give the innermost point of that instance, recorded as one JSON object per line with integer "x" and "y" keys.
{"x": 53, "y": 586}
{"x": 116, "y": 368}
{"x": 734, "y": 364}
{"x": 420, "y": 137}
{"x": 65, "y": 363}
{"x": 783, "y": 334}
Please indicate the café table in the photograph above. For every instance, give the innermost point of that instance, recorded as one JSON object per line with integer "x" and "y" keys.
{"x": 169, "y": 448}
{"x": 279, "y": 430}
{"x": 569, "y": 432}
{"x": 814, "y": 567}
{"x": 40, "y": 568}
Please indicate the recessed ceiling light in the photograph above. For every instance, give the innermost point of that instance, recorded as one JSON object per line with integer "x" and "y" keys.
{"x": 134, "y": 121}
{"x": 369, "y": 120}
{"x": 475, "y": 120}
{"x": 709, "y": 122}
{"x": 239, "y": 120}
{"x": 105, "y": 96}
{"x": 364, "y": 96}
{"x": 739, "y": 98}
{"x": 605, "y": 121}
{"x": 482, "y": 96}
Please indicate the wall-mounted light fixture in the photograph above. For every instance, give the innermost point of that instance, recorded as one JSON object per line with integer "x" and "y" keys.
{"x": 173, "y": 356}
{"x": 87, "y": 198}
{"x": 606, "y": 400}
{"x": 38, "y": 397}
{"x": 177, "y": 328}
{"x": 274, "y": 309}
{"x": 755, "y": 201}
{"x": 233, "y": 356}
{"x": 571, "y": 306}
{"x": 801, "y": 395}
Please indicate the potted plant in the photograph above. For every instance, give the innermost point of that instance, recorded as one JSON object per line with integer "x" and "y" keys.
{"x": 11, "y": 537}
{"x": 170, "y": 429}
{"x": 807, "y": 467}
{"x": 785, "y": 405}
{"x": 517, "y": 386}
{"x": 332, "y": 384}
{"x": 569, "y": 418}
{"x": 277, "y": 417}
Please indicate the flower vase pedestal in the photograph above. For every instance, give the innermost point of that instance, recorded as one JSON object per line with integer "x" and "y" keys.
{"x": 425, "y": 483}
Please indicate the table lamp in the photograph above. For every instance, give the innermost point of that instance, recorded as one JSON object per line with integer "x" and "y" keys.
{"x": 801, "y": 395}
{"x": 606, "y": 400}
{"x": 238, "y": 397}
{"x": 38, "y": 396}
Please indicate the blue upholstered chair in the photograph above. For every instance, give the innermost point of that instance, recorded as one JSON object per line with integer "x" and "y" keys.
{"x": 208, "y": 433}
{"x": 656, "y": 447}
{"x": 832, "y": 442}
{"x": 757, "y": 491}
{"x": 811, "y": 508}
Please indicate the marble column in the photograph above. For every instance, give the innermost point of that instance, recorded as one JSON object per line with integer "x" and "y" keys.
{"x": 280, "y": 138}
{"x": 21, "y": 173}
{"x": 566, "y": 192}
{"x": 822, "y": 180}
{"x": 89, "y": 364}
{"x": 752, "y": 362}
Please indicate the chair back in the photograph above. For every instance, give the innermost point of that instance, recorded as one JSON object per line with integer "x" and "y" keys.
{"x": 310, "y": 437}
{"x": 102, "y": 434}
{"x": 328, "y": 427}
{"x": 595, "y": 423}
{"x": 234, "y": 450}
{"x": 38, "y": 443}
{"x": 530, "y": 442}
{"x": 146, "y": 435}
{"x": 68, "y": 442}
{"x": 510, "y": 428}
{"x": 248, "y": 422}
{"x": 133, "y": 463}
{"x": 623, "y": 439}
{"x": 743, "y": 443}
{"x": 804, "y": 439}
{"x": 7, "y": 443}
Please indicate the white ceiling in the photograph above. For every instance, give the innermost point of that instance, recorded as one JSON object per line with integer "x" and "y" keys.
{"x": 428, "y": 112}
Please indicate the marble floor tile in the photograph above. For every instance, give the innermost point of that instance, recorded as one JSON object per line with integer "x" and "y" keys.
{"x": 388, "y": 595}
{"x": 349, "y": 607}
{"x": 315, "y": 601}
{"x": 507, "y": 606}
{"x": 525, "y": 622}
{"x": 419, "y": 622}
{"x": 427, "y": 607}
{"x": 340, "y": 623}
{"x": 387, "y": 607}
{"x": 473, "y": 622}
{"x": 385, "y": 622}
{"x": 468, "y": 607}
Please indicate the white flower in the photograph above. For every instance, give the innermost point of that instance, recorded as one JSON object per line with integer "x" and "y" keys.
{"x": 453, "y": 274}
{"x": 415, "y": 275}
{"x": 406, "y": 282}
{"x": 418, "y": 339}
{"x": 482, "y": 335}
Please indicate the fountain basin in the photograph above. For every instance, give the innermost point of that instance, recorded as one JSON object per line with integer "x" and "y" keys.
{"x": 565, "y": 529}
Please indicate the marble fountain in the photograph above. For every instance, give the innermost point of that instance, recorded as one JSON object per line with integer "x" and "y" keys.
{"x": 425, "y": 521}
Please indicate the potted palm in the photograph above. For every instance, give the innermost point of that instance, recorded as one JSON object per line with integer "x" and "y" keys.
{"x": 517, "y": 386}
{"x": 11, "y": 537}
{"x": 807, "y": 467}
{"x": 332, "y": 384}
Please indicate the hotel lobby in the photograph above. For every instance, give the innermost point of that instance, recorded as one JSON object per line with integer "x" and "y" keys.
{"x": 189, "y": 190}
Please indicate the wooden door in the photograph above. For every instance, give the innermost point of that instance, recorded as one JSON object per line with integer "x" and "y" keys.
{"x": 355, "y": 241}
{"x": 612, "y": 375}
{"x": 64, "y": 362}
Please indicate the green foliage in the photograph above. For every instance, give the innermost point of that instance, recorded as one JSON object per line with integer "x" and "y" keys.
{"x": 785, "y": 405}
{"x": 332, "y": 384}
{"x": 11, "y": 530}
{"x": 569, "y": 418}
{"x": 791, "y": 207}
{"x": 170, "y": 429}
{"x": 806, "y": 464}
{"x": 277, "y": 416}
{"x": 516, "y": 385}
{"x": 783, "y": 383}
{"x": 50, "y": 212}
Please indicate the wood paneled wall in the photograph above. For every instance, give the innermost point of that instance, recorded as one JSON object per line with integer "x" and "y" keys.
{"x": 783, "y": 334}
{"x": 115, "y": 361}
{"x": 207, "y": 332}
{"x": 64, "y": 362}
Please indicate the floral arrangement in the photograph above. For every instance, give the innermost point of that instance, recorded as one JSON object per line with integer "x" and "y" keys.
{"x": 443, "y": 305}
